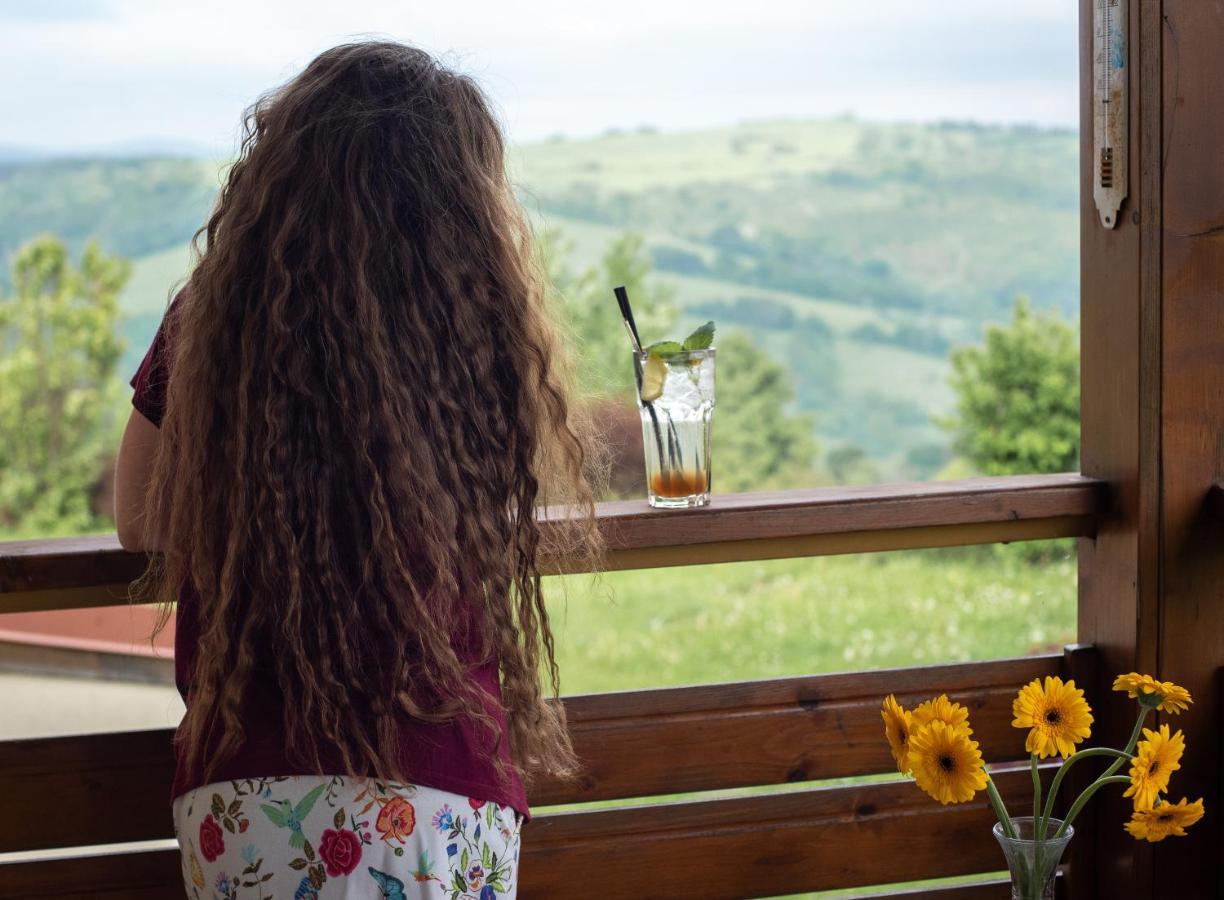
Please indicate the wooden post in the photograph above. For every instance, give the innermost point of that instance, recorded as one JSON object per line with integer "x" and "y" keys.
{"x": 1120, "y": 330}
{"x": 1192, "y": 422}
{"x": 1152, "y": 318}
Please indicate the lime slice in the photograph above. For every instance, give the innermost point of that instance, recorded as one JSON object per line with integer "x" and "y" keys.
{"x": 654, "y": 373}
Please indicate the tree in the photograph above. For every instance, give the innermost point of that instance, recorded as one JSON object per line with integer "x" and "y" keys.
{"x": 604, "y": 354}
{"x": 58, "y": 387}
{"x": 1017, "y": 396}
{"x": 758, "y": 442}
{"x": 850, "y": 464}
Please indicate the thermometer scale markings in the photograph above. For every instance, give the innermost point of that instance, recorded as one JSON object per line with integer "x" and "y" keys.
{"x": 1109, "y": 95}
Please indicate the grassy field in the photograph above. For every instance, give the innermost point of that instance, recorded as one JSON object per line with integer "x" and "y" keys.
{"x": 666, "y": 627}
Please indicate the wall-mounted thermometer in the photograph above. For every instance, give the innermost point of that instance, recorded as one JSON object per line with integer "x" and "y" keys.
{"x": 1109, "y": 129}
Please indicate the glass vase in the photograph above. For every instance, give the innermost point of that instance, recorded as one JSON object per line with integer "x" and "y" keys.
{"x": 1032, "y": 862}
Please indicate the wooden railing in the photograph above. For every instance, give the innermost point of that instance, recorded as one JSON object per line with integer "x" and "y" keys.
{"x": 637, "y": 744}
{"x": 95, "y": 571}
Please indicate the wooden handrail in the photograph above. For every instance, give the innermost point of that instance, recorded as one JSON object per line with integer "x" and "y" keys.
{"x": 94, "y": 571}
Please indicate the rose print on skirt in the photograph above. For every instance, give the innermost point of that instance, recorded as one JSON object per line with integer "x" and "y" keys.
{"x": 316, "y": 838}
{"x": 212, "y": 841}
{"x": 341, "y": 851}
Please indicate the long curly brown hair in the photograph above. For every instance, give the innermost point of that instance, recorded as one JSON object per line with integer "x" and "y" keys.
{"x": 367, "y": 403}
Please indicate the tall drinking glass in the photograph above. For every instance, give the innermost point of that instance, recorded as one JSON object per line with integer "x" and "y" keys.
{"x": 676, "y": 399}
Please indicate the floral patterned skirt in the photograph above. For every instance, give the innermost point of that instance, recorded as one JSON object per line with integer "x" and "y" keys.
{"x": 310, "y": 837}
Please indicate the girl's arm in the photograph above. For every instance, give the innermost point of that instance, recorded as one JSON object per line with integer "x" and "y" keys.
{"x": 137, "y": 452}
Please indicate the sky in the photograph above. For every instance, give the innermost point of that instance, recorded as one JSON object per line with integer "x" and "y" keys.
{"x": 95, "y": 75}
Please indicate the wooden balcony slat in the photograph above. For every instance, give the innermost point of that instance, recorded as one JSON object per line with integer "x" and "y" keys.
{"x": 130, "y": 875}
{"x": 807, "y": 840}
{"x": 78, "y": 572}
{"x": 635, "y": 744}
{"x": 804, "y": 840}
{"x": 788, "y": 730}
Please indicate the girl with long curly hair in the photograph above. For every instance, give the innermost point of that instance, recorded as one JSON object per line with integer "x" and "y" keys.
{"x": 342, "y": 432}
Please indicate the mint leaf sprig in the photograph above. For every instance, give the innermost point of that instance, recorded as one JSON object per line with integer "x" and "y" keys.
{"x": 701, "y": 339}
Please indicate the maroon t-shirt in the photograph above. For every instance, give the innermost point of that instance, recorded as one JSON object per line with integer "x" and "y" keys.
{"x": 455, "y": 756}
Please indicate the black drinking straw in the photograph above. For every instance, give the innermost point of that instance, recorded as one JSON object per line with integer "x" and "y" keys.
{"x": 622, "y": 300}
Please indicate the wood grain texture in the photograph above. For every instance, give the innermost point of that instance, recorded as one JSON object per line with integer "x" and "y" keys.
{"x": 774, "y": 732}
{"x": 1119, "y": 423}
{"x": 808, "y": 840}
{"x": 63, "y": 574}
{"x": 118, "y": 786}
{"x": 745, "y": 847}
{"x": 868, "y": 541}
{"x": 632, "y": 524}
{"x": 1191, "y": 627}
{"x": 134, "y": 875}
{"x": 634, "y": 744}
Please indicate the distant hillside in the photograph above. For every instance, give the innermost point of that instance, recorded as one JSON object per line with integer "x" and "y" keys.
{"x": 858, "y": 252}
{"x": 953, "y": 218}
{"x": 133, "y": 206}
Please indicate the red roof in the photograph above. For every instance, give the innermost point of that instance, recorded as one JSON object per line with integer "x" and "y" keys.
{"x": 107, "y": 629}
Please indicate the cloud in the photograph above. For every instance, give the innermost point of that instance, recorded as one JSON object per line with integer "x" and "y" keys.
{"x": 185, "y": 71}
{"x": 54, "y": 10}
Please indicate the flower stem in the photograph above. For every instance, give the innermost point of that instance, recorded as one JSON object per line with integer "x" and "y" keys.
{"x": 1037, "y": 835}
{"x": 1000, "y": 810}
{"x": 1062, "y": 772}
{"x": 1085, "y": 797}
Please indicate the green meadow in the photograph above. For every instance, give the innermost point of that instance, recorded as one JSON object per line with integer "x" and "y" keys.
{"x": 657, "y": 627}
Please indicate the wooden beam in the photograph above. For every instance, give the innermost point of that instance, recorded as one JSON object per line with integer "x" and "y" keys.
{"x": 809, "y": 840}
{"x": 1191, "y": 552}
{"x": 879, "y": 833}
{"x": 812, "y": 728}
{"x": 1119, "y": 426}
{"x": 65, "y": 574}
{"x": 1152, "y": 314}
{"x": 123, "y": 875}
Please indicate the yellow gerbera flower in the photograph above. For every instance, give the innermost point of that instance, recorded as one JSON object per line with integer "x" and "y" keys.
{"x": 1173, "y": 697}
{"x": 1158, "y": 758}
{"x": 1057, "y": 715}
{"x": 1132, "y": 682}
{"x": 1160, "y": 822}
{"x": 946, "y": 763}
{"x": 897, "y": 728}
{"x": 941, "y": 709}
{"x": 1176, "y": 698}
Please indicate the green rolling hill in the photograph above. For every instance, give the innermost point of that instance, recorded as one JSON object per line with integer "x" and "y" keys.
{"x": 892, "y": 242}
